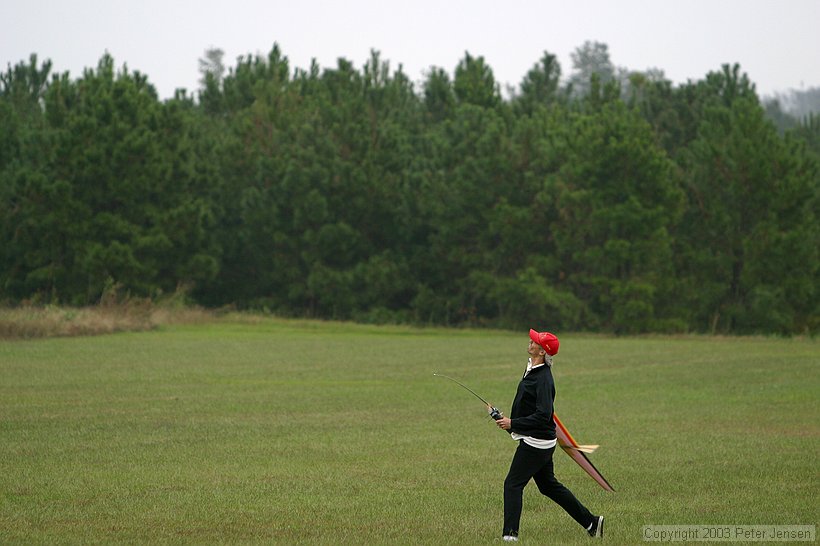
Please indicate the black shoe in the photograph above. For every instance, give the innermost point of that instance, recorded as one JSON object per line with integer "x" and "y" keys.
{"x": 597, "y": 530}
{"x": 510, "y": 536}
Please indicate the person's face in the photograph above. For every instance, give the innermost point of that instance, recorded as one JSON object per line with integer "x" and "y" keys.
{"x": 535, "y": 350}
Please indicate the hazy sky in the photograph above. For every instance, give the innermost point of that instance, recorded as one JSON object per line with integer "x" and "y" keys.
{"x": 776, "y": 42}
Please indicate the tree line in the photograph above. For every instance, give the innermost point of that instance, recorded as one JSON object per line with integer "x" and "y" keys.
{"x": 609, "y": 201}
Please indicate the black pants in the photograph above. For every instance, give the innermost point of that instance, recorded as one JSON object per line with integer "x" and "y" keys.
{"x": 529, "y": 462}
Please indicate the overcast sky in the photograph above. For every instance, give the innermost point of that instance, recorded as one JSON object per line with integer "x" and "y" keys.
{"x": 776, "y": 42}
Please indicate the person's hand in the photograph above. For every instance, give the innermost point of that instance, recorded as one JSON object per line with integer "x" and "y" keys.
{"x": 504, "y": 422}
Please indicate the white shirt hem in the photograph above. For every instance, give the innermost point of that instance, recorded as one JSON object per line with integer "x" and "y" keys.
{"x": 537, "y": 443}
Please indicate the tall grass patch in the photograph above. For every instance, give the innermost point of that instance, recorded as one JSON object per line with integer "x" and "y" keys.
{"x": 32, "y": 321}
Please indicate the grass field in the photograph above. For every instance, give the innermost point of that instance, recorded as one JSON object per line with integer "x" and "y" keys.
{"x": 287, "y": 432}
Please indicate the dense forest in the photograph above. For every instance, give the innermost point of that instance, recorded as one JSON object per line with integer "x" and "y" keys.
{"x": 605, "y": 200}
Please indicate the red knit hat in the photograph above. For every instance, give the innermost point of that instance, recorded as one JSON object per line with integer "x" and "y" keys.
{"x": 546, "y": 340}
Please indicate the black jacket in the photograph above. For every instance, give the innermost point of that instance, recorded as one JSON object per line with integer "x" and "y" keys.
{"x": 531, "y": 412}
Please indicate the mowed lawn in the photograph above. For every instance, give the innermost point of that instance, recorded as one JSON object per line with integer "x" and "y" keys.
{"x": 296, "y": 432}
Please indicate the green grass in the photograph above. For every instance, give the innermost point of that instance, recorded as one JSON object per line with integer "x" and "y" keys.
{"x": 290, "y": 432}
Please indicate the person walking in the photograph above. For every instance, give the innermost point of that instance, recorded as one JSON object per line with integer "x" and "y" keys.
{"x": 531, "y": 424}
